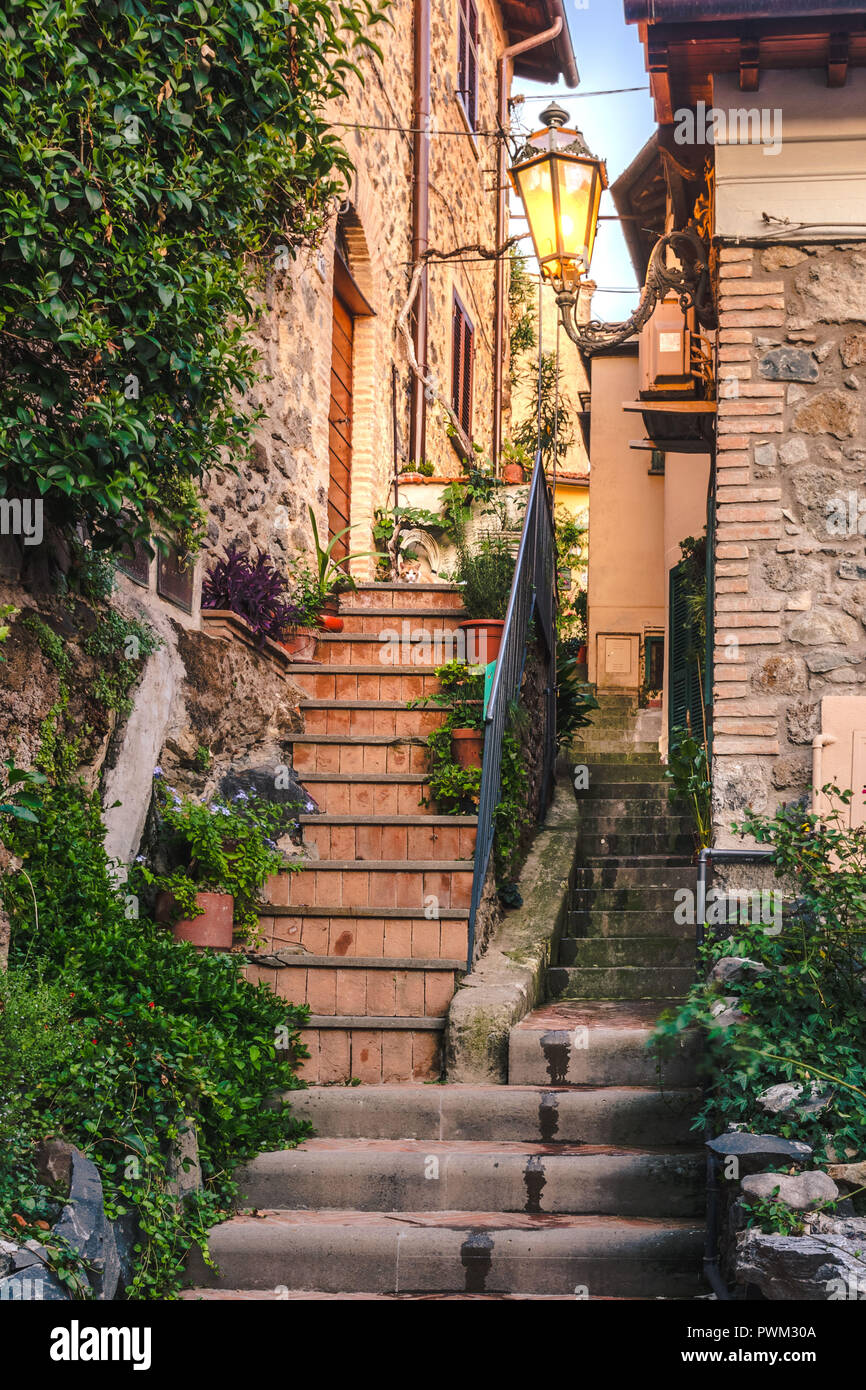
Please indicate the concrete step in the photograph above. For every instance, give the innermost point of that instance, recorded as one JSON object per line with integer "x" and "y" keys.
{"x": 619, "y": 755}
{"x": 616, "y": 844}
{"x": 376, "y": 682}
{"x": 397, "y": 1175}
{"x": 365, "y": 793}
{"x": 661, "y": 872}
{"x": 596, "y": 1043}
{"x": 454, "y": 1252}
{"x": 604, "y": 952}
{"x": 411, "y": 884}
{"x": 446, "y": 597}
{"x": 282, "y": 1295}
{"x": 379, "y": 754}
{"x": 384, "y": 717}
{"x": 596, "y": 819}
{"x": 608, "y": 778}
{"x": 635, "y": 922}
{"x": 619, "y": 982}
{"x": 538, "y": 1114}
{"x": 326, "y": 930}
{"x": 390, "y": 837}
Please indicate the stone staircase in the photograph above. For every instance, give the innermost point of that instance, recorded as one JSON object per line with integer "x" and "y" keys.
{"x": 579, "y": 1179}
{"x": 379, "y": 915}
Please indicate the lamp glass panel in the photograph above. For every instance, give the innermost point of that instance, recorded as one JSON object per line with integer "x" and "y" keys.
{"x": 535, "y": 188}
{"x": 579, "y": 197}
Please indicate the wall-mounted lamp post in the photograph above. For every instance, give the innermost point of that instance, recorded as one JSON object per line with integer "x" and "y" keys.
{"x": 560, "y": 183}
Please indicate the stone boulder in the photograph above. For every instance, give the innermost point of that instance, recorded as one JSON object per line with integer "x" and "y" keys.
{"x": 731, "y": 969}
{"x": 756, "y": 1152}
{"x": 787, "y": 1097}
{"x": 800, "y": 1268}
{"x": 801, "y": 1192}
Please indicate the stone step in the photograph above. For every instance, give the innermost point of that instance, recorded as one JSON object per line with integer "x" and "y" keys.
{"x": 364, "y": 986}
{"x": 602, "y": 952}
{"x": 347, "y": 682}
{"x": 348, "y": 753}
{"x": 454, "y": 1252}
{"x": 597, "y": 820}
{"x": 619, "y": 982}
{"x": 383, "y": 717}
{"x": 619, "y": 779}
{"x": 402, "y": 596}
{"x": 413, "y": 884}
{"x": 637, "y": 922}
{"x": 596, "y": 1043}
{"x": 366, "y": 794}
{"x": 389, "y": 932}
{"x": 374, "y": 1050}
{"x": 627, "y": 897}
{"x": 390, "y": 837}
{"x": 663, "y": 872}
{"x": 615, "y": 844}
{"x": 454, "y": 1175}
{"x": 616, "y": 752}
{"x": 283, "y": 1295}
{"x": 626, "y": 1115}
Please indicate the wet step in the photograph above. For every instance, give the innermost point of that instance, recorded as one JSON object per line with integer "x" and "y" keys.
{"x": 663, "y": 839}
{"x": 603, "y": 952}
{"x": 396, "y": 1175}
{"x": 627, "y": 896}
{"x": 619, "y": 982}
{"x": 459, "y": 1252}
{"x": 629, "y": 1115}
{"x": 597, "y": 1043}
{"x": 640, "y": 921}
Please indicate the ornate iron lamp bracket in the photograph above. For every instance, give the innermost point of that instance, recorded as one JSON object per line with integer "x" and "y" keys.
{"x": 690, "y": 281}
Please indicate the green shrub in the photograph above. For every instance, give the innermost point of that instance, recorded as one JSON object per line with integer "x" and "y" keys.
{"x": 485, "y": 569}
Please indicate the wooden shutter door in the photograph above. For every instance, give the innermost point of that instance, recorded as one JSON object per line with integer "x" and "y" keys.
{"x": 340, "y": 426}
{"x": 684, "y": 692}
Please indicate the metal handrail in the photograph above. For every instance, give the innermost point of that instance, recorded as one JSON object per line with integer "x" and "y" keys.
{"x": 533, "y": 594}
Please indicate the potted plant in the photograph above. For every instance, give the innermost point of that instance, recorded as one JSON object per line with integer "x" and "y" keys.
{"x": 485, "y": 570}
{"x": 515, "y": 462}
{"x": 254, "y": 590}
{"x": 416, "y": 473}
{"x": 330, "y": 578}
{"x": 219, "y": 856}
{"x": 456, "y": 747}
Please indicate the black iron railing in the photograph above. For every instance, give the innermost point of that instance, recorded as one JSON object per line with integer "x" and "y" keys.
{"x": 533, "y": 596}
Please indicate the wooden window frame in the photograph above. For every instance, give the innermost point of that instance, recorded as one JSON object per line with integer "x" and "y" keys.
{"x": 462, "y": 364}
{"x": 467, "y": 61}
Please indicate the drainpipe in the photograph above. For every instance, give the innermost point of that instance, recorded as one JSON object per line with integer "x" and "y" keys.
{"x": 507, "y": 56}
{"x": 420, "y": 218}
{"x": 819, "y": 743}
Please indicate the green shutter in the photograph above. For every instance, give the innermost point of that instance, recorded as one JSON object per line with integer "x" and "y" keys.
{"x": 684, "y": 693}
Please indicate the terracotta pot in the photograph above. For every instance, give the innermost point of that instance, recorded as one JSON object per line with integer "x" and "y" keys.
{"x": 301, "y": 645}
{"x": 467, "y": 747}
{"x": 213, "y": 928}
{"x": 414, "y": 478}
{"x": 581, "y": 654}
{"x": 512, "y": 473}
{"x": 331, "y": 622}
{"x": 483, "y": 638}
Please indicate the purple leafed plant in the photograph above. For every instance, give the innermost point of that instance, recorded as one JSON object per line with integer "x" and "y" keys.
{"x": 252, "y": 588}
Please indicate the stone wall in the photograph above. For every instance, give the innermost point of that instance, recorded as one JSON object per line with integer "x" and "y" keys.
{"x": 790, "y": 602}
{"x": 267, "y": 504}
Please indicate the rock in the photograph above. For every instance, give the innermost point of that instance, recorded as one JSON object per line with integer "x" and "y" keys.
{"x": 787, "y": 1096}
{"x": 726, "y": 1014}
{"x": 261, "y": 782}
{"x": 803, "y": 721}
{"x": 765, "y": 458}
{"x": 84, "y": 1225}
{"x": 794, "y": 451}
{"x": 730, "y": 969}
{"x": 54, "y": 1161}
{"x": 849, "y": 1174}
{"x": 821, "y": 661}
{"x": 823, "y": 626}
{"x": 803, "y": 1192}
{"x": 755, "y": 1152}
{"x": 830, "y": 412}
{"x": 782, "y": 257}
{"x": 791, "y": 772}
{"x": 7, "y": 1250}
{"x": 851, "y": 569}
{"x": 802, "y": 1268}
{"x": 780, "y": 673}
{"x": 788, "y": 364}
{"x": 834, "y": 291}
{"x": 36, "y": 1284}
{"x": 853, "y": 349}
{"x": 738, "y": 785}
{"x": 790, "y": 572}
{"x": 184, "y": 1164}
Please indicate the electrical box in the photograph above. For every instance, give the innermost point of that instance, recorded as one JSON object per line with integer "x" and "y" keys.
{"x": 665, "y": 350}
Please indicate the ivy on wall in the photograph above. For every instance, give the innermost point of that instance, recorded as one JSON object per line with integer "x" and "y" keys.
{"x": 155, "y": 159}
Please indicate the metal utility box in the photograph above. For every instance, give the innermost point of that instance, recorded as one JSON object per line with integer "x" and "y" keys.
{"x": 665, "y": 350}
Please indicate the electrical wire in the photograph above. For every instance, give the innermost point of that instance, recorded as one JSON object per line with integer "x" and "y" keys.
{"x": 475, "y": 134}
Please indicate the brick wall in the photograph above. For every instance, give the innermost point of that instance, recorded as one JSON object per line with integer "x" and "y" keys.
{"x": 790, "y": 602}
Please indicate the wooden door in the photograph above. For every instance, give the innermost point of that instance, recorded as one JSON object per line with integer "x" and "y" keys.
{"x": 340, "y": 426}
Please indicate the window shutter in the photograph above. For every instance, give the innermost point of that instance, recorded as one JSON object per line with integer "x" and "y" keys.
{"x": 462, "y": 343}
{"x": 466, "y": 395}
{"x": 467, "y": 59}
{"x": 684, "y": 693}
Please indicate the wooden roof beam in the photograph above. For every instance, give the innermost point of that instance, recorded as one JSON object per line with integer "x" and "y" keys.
{"x": 750, "y": 65}
{"x": 660, "y": 80}
{"x": 838, "y": 57}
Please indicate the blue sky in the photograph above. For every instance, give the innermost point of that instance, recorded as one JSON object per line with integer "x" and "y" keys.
{"x": 608, "y": 55}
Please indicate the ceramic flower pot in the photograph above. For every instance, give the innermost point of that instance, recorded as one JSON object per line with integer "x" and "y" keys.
{"x": 512, "y": 473}
{"x": 301, "y": 644}
{"x": 331, "y": 622}
{"x": 483, "y": 637}
{"x": 467, "y": 747}
{"x": 212, "y": 928}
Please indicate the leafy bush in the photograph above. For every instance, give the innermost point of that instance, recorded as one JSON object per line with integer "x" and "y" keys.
{"x": 804, "y": 1020}
{"x": 485, "y": 570}
{"x": 165, "y": 1035}
{"x": 153, "y": 160}
{"x": 574, "y": 699}
{"x": 689, "y": 775}
{"x": 252, "y": 588}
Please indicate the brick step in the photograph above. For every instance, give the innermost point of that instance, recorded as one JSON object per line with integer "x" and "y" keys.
{"x": 393, "y": 647}
{"x": 405, "y": 622}
{"x": 609, "y": 1115}
{"x": 365, "y": 986}
{"x": 402, "y": 596}
{"x": 375, "y": 1050}
{"x": 366, "y": 931}
{"x": 627, "y": 897}
{"x": 366, "y": 794}
{"x": 454, "y": 1252}
{"x": 390, "y": 837}
{"x": 616, "y": 844}
{"x": 389, "y": 717}
{"x": 619, "y": 982}
{"x": 551, "y": 1046}
{"x": 369, "y": 683}
{"x": 346, "y": 753}
{"x": 607, "y": 951}
{"x": 475, "y": 1175}
{"x": 411, "y": 884}
{"x": 635, "y": 922}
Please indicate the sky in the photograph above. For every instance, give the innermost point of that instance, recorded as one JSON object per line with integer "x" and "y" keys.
{"x": 609, "y": 55}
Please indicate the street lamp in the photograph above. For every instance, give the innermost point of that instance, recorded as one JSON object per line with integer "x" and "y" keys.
{"x": 560, "y": 183}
